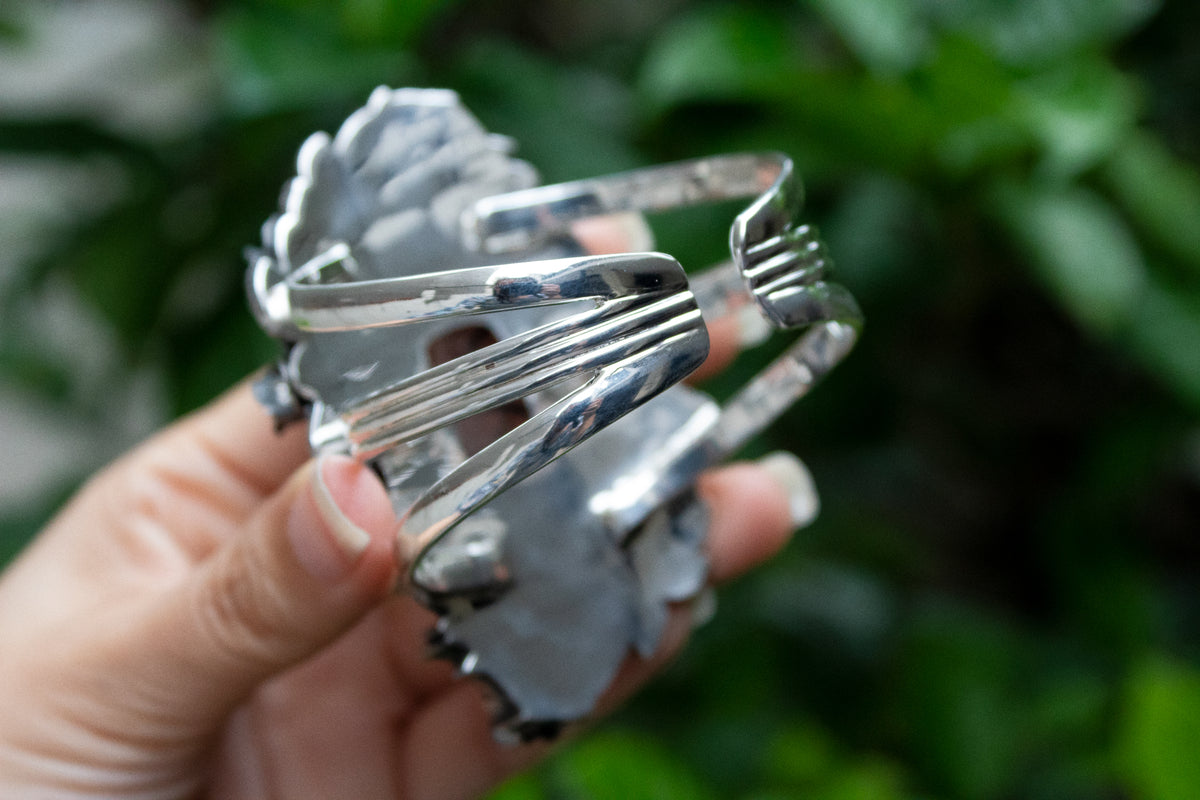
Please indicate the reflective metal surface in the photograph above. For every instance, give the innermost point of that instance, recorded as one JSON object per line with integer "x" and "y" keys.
{"x": 518, "y": 396}
{"x": 776, "y": 260}
{"x": 782, "y": 261}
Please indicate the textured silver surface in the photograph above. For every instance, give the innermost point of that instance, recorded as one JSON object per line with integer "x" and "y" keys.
{"x": 552, "y": 551}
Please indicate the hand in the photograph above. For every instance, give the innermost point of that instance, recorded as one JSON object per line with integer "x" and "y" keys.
{"x": 213, "y": 615}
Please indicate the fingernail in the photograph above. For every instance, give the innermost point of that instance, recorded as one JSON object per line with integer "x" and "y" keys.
{"x": 795, "y": 479}
{"x": 704, "y": 607}
{"x": 753, "y": 328}
{"x": 328, "y": 548}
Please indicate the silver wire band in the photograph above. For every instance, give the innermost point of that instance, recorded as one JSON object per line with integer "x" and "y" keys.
{"x": 782, "y": 261}
{"x": 777, "y": 261}
{"x": 782, "y": 265}
{"x": 381, "y": 266}
{"x": 640, "y": 333}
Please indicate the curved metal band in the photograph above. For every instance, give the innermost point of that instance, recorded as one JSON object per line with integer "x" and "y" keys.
{"x": 289, "y": 307}
{"x": 714, "y": 434}
{"x": 640, "y": 333}
{"x": 520, "y": 220}
{"x": 530, "y": 588}
{"x": 782, "y": 261}
{"x": 778, "y": 262}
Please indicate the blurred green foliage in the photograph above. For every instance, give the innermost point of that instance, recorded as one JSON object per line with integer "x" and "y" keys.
{"x": 1001, "y": 597}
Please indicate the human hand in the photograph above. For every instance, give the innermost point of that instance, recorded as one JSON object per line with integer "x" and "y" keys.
{"x": 213, "y": 615}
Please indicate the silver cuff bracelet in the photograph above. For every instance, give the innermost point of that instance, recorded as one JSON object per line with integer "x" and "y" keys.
{"x": 519, "y": 397}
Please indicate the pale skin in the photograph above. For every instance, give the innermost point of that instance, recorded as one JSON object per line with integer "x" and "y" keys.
{"x": 194, "y": 623}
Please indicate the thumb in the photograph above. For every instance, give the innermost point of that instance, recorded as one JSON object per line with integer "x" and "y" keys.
{"x": 309, "y": 564}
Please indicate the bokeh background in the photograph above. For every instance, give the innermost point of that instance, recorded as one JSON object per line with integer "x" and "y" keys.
{"x": 1000, "y": 599}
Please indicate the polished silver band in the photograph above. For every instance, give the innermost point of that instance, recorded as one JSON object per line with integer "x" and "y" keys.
{"x": 540, "y": 556}
{"x": 776, "y": 260}
{"x": 642, "y": 328}
{"x": 782, "y": 262}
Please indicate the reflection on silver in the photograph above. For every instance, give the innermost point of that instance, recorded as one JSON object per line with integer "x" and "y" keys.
{"x": 782, "y": 262}
{"x": 518, "y": 396}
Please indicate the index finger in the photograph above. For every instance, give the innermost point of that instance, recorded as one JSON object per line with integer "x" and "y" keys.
{"x": 237, "y": 435}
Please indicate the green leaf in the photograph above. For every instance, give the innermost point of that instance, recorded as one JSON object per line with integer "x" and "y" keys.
{"x": 68, "y": 136}
{"x": 748, "y": 65}
{"x": 1156, "y": 744}
{"x": 1161, "y": 193}
{"x": 16, "y": 531}
{"x": 231, "y": 346}
{"x": 862, "y": 120}
{"x": 571, "y": 122}
{"x": 721, "y": 52}
{"x": 800, "y": 755}
{"x": 888, "y": 35}
{"x": 1165, "y": 333}
{"x": 1038, "y": 31}
{"x": 963, "y": 699}
{"x": 969, "y": 93}
{"x": 1084, "y": 252}
{"x": 32, "y": 374}
{"x": 1079, "y": 113}
{"x": 122, "y": 268}
{"x": 522, "y": 787}
{"x": 20, "y": 523}
{"x": 1081, "y": 249}
{"x": 621, "y": 765}
{"x": 872, "y": 779}
{"x": 10, "y": 32}
{"x": 268, "y": 63}
{"x": 387, "y": 22}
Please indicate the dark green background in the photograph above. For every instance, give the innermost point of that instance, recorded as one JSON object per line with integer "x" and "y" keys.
{"x": 1000, "y": 597}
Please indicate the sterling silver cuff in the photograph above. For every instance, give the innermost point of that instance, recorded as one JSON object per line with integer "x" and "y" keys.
{"x": 519, "y": 397}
